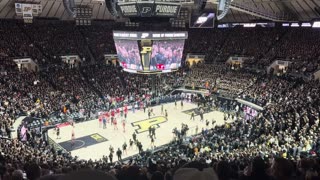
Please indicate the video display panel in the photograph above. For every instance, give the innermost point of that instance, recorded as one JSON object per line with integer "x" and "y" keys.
{"x": 166, "y": 54}
{"x": 205, "y": 20}
{"x": 128, "y": 54}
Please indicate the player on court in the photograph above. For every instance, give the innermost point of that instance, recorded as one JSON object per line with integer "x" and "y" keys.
{"x": 133, "y": 107}
{"x": 72, "y": 137}
{"x": 107, "y": 116}
{"x": 124, "y": 125}
{"x": 162, "y": 109}
{"x": 166, "y": 114}
{"x": 125, "y": 112}
{"x": 58, "y": 132}
{"x": 121, "y": 113}
{"x": 151, "y": 111}
{"x": 141, "y": 105}
{"x": 104, "y": 121}
{"x": 152, "y": 143}
{"x": 112, "y": 116}
{"x": 192, "y": 115}
{"x": 118, "y": 112}
{"x": 115, "y": 124}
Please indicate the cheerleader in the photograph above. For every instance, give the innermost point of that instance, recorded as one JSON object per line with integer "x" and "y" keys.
{"x": 115, "y": 124}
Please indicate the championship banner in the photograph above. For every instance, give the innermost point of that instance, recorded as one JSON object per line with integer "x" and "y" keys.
{"x": 36, "y": 9}
{"x": 18, "y": 8}
{"x": 27, "y": 11}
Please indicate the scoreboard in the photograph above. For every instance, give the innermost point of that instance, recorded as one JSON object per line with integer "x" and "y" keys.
{"x": 149, "y": 8}
{"x": 149, "y": 52}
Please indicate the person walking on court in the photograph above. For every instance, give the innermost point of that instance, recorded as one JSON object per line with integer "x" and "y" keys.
{"x": 152, "y": 143}
{"x": 192, "y": 115}
{"x": 139, "y": 145}
{"x": 110, "y": 157}
{"x": 115, "y": 124}
{"x": 161, "y": 109}
{"x": 153, "y": 132}
{"x": 111, "y": 149}
{"x": 166, "y": 114}
{"x": 134, "y": 137}
{"x": 72, "y": 138}
{"x": 130, "y": 144}
{"x": 58, "y": 133}
{"x": 181, "y": 104}
{"x": 124, "y": 125}
{"x": 149, "y": 113}
{"x": 124, "y": 148}
{"x": 175, "y": 104}
{"x": 119, "y": 153}
{"x": 150, "y": 131}
{"x": 104, "y": 121}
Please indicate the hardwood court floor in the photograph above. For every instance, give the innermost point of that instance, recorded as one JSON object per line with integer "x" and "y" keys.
{"x": 136, "y": 122}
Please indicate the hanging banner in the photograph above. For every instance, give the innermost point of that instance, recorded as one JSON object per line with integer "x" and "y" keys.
{"x": 27, "y": 11}
{"x": 18, "y": 8}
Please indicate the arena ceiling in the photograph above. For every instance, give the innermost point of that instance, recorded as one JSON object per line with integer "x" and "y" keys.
{"x": 296, "y": 10}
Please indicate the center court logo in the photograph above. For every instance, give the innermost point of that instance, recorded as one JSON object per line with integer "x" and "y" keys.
{"x": 144, "y": 125}
{"x": 98, "y": 138}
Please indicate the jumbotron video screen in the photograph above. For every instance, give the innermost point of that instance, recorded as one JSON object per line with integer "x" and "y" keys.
{"x": 149, "y": 52}
{"x": 128, "y": 54}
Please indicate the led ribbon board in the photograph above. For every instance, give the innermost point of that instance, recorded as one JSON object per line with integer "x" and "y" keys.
{"x": 149, "y": 9}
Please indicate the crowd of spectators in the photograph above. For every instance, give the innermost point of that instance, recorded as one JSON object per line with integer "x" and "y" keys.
{"x": 281, "y": 142}
{"x": 220, "y": 76}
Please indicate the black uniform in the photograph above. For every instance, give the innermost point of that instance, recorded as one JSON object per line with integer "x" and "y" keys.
{"x": 124, "y": 147}
{"x": 192, "y": 116}
{"x": 110, "y": 157}
{"x": 119, "y": 153}
{"x": 134, "y": 136}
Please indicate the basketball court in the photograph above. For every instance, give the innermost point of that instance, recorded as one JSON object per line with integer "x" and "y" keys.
{"x": 93, "y": 142}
